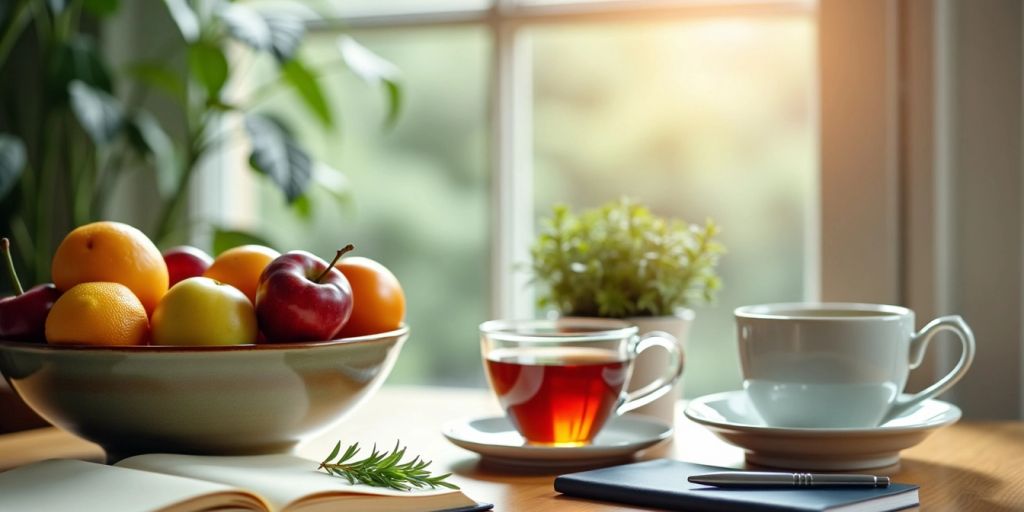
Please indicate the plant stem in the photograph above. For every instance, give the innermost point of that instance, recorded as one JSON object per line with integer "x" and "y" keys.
{"x": 337, "y": 257}
{"x": 105, "y": 175}
{"x": 82, "y": 182}
{"x": 44, "y": 28}
{"x": 5, "y": 246}
{"x": 67, "y": 21}
{"x": 193, "y": 154}
{"x": 44, "y": 205}
{"x": 163, "y": 225}
{"x": 21, "y": 232}
{"x": 17, "y": 26}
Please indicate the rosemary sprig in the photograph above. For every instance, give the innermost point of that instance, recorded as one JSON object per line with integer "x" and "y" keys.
{"x": 383, "y": 469}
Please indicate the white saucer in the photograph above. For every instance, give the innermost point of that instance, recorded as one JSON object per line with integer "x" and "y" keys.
{"x": 732, "y": 418}
{"x": 496, "y": 440}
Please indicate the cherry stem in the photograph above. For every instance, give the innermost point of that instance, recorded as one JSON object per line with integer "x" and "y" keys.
{"x": 5, "y": 246}
{"x": 330, "y": 265}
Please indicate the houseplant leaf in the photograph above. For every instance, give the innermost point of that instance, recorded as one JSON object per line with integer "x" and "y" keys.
{"x": 375, "y": 71}
{"x": 246, "y": 25}
{"x": 101, "y": 7}
{"x": 12, "y": 162}
{"x": 298, "y": 76}
{"x": 160, "y": 77}
{"x": 276, "y": 154}
{"x": 275, "y": 32}
{"x": 185, "y": 18}
{"x": 76, "y": 59}
{"x": 303, "y": 207}
{"x": 156, "y": 143}
{"x": 100, "y": 114}
{"x": 209, "y": 66}
{"x": 393, "y": 95}
{"x": 286, "y": 33}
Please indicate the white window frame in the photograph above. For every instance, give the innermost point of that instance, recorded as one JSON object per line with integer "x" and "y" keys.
{"x": 922, "y": 176}
{"x": 511, "y": 106}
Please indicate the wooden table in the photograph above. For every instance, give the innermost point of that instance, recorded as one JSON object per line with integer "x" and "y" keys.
{"x": 968, "y": 466}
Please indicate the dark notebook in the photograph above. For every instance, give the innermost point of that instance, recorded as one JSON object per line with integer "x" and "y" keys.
{"x": 662, "y": 484}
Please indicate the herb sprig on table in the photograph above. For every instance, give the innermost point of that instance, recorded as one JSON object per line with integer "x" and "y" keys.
{"x": 383, "y": 469}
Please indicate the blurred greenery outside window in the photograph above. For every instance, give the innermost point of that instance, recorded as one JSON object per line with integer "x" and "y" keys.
{"x": 696, "y": 116}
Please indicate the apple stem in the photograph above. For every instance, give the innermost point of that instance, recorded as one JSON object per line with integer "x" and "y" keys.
{"x": 337, "y": 257}
{"x": 5, "y": 246}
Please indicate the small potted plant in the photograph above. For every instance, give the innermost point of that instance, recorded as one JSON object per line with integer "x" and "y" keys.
{"x": 622, "y": 261}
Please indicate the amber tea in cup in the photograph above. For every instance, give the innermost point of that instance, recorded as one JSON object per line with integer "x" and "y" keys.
{"x": 560, "y": 381}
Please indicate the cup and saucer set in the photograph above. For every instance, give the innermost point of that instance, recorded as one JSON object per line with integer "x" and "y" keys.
{"x": 562, "y": 384}
{"x": 822, "y": 389}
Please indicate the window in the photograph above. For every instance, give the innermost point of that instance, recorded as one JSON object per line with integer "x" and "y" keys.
{"x": 695, "y": 118}
{"x": 696, "y": 108}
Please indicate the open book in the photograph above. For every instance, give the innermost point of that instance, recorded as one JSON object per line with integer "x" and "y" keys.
{"x": 192, "y": 483}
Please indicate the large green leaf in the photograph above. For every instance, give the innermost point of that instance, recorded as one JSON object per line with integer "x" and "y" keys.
{"x": 302, "y": 80}
{"x": 209, "y": 66}
{"x": 224, "y": 239}
{"x": 12, "y": 162}
{"x": 276, "y": 154}
{"x": 76, "y": 59}
{"x": 246, "y": 25}
{"x": 185, "y": 18}
{"x": 101, "y": 7}
{"x": 279, "y": 33}
{"x": 286, "y": 33}
{"x": 375, "y": 71}
{"x": 156, "y": 74}
{"x": 155, "y": 142}
{"x": 100, "y": 114}
{"x": 303, "y": 207}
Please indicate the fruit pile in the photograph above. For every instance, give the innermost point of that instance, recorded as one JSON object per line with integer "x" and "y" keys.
{"x": 111, "y": 286}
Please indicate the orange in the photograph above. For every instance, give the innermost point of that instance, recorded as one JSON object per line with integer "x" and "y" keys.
{"x": 241, "y": 267}
{"x": 378, "y": 303}
{"x": 98, "y": 314}
{"x": 115, "y": 253}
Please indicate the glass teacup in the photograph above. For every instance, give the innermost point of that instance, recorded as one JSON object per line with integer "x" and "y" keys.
{"x": 559, "y": 381}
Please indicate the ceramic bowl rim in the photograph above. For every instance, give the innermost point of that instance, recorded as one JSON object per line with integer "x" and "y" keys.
{"x": 149, "y": 349}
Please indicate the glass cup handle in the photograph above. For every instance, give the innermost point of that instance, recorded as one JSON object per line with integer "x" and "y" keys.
{"x": 919, "y": 344}
{"x": 663, "y": 384}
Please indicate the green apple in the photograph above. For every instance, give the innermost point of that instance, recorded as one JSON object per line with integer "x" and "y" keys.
{"x": 202, "y": 311}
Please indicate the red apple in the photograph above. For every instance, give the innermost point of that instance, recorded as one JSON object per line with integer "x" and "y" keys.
{"x": 23, "y": 315}
{"x": 185, "y": 261}
{"x": 300, "y": 297}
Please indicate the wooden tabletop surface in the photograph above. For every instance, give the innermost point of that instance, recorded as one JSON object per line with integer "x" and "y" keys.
{"x": 968, "y": 466}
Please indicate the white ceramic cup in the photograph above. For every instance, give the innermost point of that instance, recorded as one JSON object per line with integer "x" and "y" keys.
{"x": 836, "y": 365}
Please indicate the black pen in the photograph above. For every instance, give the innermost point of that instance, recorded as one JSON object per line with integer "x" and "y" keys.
{"x": 767, "y": 479}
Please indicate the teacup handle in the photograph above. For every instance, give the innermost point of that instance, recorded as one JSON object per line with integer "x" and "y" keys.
{"x": 919, "y": 344}
{"x": 661, "y": 385}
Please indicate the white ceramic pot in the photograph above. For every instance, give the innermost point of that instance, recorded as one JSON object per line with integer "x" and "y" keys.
{"x": 652, "y": 363}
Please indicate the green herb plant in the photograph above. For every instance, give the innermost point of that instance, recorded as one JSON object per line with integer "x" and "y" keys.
{"x": 383, "y": 469}
{"x": 620, "y": 260}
